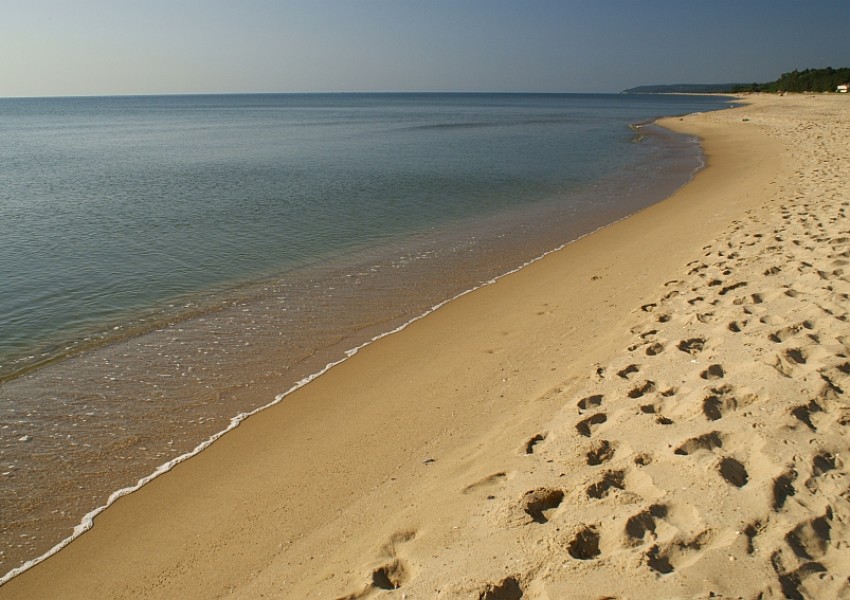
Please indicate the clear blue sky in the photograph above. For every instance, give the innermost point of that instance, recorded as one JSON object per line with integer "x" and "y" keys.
{"x": 95, "y": 47}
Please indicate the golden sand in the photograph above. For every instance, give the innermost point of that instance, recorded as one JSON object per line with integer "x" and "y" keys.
{"x": 660, "y": 410}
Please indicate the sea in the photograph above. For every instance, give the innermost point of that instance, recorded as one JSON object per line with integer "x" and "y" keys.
{"x": 173, "y": 264}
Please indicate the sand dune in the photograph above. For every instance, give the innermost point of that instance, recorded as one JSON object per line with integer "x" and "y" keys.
{"x": 659, "y": 411}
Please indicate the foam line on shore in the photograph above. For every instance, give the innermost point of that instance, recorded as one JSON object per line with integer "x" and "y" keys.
{"x": 87, "y": 521}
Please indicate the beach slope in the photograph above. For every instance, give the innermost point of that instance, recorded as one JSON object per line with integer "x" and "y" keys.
{"x": 658, "y": 410}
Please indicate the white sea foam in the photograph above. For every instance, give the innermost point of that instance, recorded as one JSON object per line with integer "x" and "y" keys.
{"x": 87, "y": 521}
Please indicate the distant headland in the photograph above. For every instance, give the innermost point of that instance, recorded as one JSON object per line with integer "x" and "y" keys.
{"x": 808, "y": 80}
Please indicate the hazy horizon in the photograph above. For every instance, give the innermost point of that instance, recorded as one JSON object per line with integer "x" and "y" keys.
{"x": 103, "y": 48}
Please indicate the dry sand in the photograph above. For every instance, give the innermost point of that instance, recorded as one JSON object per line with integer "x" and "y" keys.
{"x": 658, "y": 411}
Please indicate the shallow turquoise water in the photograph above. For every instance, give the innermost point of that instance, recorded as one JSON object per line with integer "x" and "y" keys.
{"x": 111, "y": 208}
{"x": 171, "y": 262}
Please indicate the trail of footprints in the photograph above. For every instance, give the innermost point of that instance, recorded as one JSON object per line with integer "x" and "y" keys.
{"x": 792, "y": 526}
{"x": 784, "y": 476}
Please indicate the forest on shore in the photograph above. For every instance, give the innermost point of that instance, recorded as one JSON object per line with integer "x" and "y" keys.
{"x": 807, "y": 80}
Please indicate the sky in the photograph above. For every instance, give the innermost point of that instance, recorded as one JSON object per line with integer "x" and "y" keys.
{"x": 113, "y": 47}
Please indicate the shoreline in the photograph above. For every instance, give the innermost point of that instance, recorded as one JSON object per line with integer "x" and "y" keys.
{"x": 410, "y": 438}
{"x": 127, "y": 479}
{"x": 32, "y": 348}
{"x": 87, "y": 520}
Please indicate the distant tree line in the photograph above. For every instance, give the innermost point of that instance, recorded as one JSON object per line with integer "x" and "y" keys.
{"x": 808, "y": 80}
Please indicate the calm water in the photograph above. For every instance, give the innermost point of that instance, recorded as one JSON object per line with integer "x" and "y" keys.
{"x": 171, "y": 262}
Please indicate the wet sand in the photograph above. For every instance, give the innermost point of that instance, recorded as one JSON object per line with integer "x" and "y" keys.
{"x": 657, "y": 410}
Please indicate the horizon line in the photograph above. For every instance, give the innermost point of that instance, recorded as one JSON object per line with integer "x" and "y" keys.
{"x": 302, "y": 93}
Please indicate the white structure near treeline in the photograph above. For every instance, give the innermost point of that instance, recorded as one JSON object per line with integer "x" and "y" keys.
{"x": 842, "y": 89}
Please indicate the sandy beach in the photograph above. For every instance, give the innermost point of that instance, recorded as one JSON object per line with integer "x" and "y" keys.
{"x": 659, "y": 410}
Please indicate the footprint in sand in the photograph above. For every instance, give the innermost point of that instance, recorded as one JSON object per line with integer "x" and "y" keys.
{"x": 733, "y": 472}
{"x": 713, "y": 372}
{"x": 601, "y": 451}
{"x": 737, "y": 326}
{"x": 643, "y": 524}
{"x": 664, "y": 559}
{"x": 639, "y": 391}
{"x": 712, "y": 408}
{"x": 725, "y": 290}
{"x": 753, "y": 530}
{"x": 507, "y": 589}
{"x": 692, "y": 346}
{"x": 803, "y": 414}
{"x": 830, "y": 390}
{"x": 783, "y": 488}
{"x": 751, "y": 299}
{"x": 788, "y": 361}
{"x": 785, "y": 333}
{"x": 658, "y": 561}
{"x": 654, "y": 349}
{"x": 791, "y": 582}
{"x": 610, "y": 480}
{"x": 627, "y": 372}
{"x": 823, "y": 463}
{"x": 646, "y": 335}
{"x": 392, "y": 574}
{"x": 589, "y": 402}
{"x": 696, "y": 269}
{"x": 642, "y": 459}
{"x": 796, "y": 356}
{"x": 539, "y": 503}
{"x": 531, "y": 444}
{"x": 810, "y": 539}
{"x": 586, "y": 426}
{"x": 722, "y": 401}
{"x": 585, "y": 544}
{"x": 707, "y": 441}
